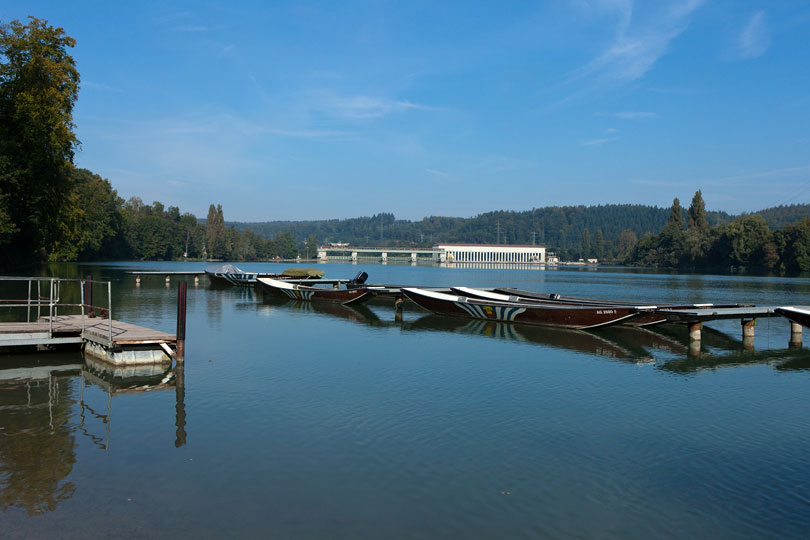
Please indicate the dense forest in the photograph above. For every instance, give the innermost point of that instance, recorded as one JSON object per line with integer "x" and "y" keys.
{"x": 51, "y": 210}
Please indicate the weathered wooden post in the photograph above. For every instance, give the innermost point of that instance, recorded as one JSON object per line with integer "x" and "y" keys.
{"x": 181, "y": 322}
{"x": 748, "y": 327}
{"x": 88, "y": 295}
{"x": 180, "y": 405}
{"x": 748, "y": 333}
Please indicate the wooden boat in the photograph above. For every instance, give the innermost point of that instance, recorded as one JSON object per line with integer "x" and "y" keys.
{"x": 309, "y": 293}
{"x": 650, "y": 318}
{"x": 579, "y": 317}
{"x": 229, "y": 274}
{"x": 797, "y": 314}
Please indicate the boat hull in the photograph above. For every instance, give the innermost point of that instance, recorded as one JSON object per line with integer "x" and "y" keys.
{"x": 308, "y": 294}
{"x": 578, "y": 317}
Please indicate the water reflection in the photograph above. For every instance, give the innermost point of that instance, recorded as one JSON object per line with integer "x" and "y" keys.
{"x": 43, "y": 409}
{"x": 37, "y": 443}
{"x": 666, "y": 346}
{"x": 116, "y": 381}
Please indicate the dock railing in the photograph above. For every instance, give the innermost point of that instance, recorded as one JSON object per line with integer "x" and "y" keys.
{"x": 46, "y": 294}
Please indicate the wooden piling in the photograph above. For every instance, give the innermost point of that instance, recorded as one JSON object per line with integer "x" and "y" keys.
{"x": 695, "y": 331}
{"x": 180, "y": 406}
{"x": 795, "y": 335}
{"x": 748, "y": 327}
{"x": 181, "y": 322}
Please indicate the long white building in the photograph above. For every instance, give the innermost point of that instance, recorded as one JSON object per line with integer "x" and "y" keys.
{"x": 446, "y": 253}
{"x": 491, "y": 253}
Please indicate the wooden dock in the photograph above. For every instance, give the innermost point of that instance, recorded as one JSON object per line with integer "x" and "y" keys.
{"x": 114, "y": 341}
{"x": 49, "y": 320}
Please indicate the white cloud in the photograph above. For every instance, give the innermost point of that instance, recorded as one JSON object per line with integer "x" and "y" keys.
{"x": 598, "y": 142}
{"x": 363, "y": 107}
{"x": 755, "y": 37}
{"x": 638, "y": 44}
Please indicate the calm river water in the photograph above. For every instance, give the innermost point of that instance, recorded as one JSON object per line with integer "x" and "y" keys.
{"x": 310, "y": 421}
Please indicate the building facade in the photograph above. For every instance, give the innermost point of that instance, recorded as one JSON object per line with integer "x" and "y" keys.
{"x": 491, "y": 253}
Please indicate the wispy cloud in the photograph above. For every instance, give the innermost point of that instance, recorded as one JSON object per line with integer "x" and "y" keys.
{"x": 219, "y": 124}
{"x": 434, "y": 172}
{"x": 632, "y": 115}
{"x": 638, "y": 44}
{"x": 364, "y": 107}
{"x": 755, "y": 37}
{"x": 100, "y": 86}
{"x": 598, "y": 142}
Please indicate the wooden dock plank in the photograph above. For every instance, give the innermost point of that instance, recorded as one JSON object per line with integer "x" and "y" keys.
{"x": 123, "y": 333}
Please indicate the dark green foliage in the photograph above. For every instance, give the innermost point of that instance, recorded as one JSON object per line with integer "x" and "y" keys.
{"x": 793, "y": 245}
{"x": 697, "y": 214}
{"x": 784, "y": 215}
{"x": 91, "y": 223}
{"x": 39, "y": 85}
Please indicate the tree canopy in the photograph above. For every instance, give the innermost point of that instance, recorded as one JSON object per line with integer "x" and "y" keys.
{"x": 39, "y": 85}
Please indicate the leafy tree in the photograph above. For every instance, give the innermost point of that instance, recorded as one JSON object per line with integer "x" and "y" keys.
{"x": 39, "y": 85}
{"x": 92, "y": 222}
{"x": 675, "y": 222}
{"x": 627, "y": 241}
{"x": 697, "y": 214}
{"x": 311, "y": 246}
{"x": 741, "y": 242}
{"x": 286, "y": 248}
{"x": 794, "y": 243}
{"x": 599, "y": 245}
{"x": 215, "y": 233}
{"x": 586, "y": 244}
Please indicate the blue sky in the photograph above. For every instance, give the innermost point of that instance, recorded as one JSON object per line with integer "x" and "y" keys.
{"x": 313, "y": 110}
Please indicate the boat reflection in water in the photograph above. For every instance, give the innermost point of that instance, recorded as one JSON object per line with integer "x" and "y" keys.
{"x": 666, "y": 346}
{"x": 43, "y": 411}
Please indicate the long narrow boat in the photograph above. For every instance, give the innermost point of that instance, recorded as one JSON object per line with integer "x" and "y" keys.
{"x": 308, "y": 293}
{"x": 229, "y": 274}
{"x": 579, "y": 317}
{"x": 647, "y": 319}
{"x": 797, "y": 314}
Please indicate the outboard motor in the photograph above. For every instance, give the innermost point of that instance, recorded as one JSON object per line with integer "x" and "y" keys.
{"x": 358, "y": 280}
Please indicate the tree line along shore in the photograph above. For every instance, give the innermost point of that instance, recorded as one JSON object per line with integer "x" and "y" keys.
{"x": 51, "y": 210}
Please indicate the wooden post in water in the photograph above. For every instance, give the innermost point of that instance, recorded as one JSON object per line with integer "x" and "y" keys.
{"x": 88, "y": 295}
{"x": 748, "y": 333}
{"x": 181, "y": 322}
{"x": 180, "y": 405}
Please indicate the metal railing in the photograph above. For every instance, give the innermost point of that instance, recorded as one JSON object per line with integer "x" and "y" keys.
{"x": 37, "y": 302}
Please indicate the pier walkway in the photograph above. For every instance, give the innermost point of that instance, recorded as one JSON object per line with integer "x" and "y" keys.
{"x": 51, "y": 320}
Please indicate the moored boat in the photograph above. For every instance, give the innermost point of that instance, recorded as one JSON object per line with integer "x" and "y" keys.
{"x": 650, "y": 318}
{"x": 229, "y": 274}
{"x": 579, "y": 317}
{"x": 308, "y": 293}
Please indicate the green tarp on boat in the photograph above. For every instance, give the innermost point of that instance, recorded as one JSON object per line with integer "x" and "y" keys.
{"x": 303, "y": 273}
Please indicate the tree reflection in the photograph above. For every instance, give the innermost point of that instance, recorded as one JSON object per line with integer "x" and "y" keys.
{"x": 37, "y": 446}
